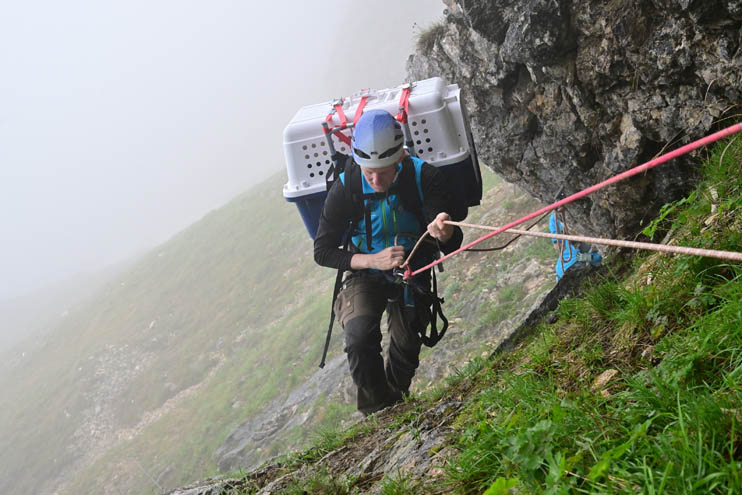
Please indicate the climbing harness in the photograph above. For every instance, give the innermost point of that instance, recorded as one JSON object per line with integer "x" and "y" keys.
{"x": 436, "y": 133}
{"x": 406, "y": 188}
{"x": 405, "y": 274}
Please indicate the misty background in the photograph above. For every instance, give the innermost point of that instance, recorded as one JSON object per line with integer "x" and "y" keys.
{"x": 122, "y": 123}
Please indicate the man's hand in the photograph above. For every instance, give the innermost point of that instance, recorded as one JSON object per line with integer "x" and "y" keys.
{"x": 440, "y": 230}
{"x": 386, "y": 259}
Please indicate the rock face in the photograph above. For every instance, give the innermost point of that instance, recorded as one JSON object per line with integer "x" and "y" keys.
{"x": 564, "y": 94}
{"x": 243, "y": 447}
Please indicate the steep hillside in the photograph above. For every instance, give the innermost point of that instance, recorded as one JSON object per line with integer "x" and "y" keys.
{"x": 634, "y": 387}
{"x": 517, "y": 280}
{"x": 120, "y": 380}
{"x": 203, "y": 355}
{"x": 25, "y": 317}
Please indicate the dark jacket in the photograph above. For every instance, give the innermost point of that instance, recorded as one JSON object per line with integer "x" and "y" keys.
{"x": 339, "y": 210}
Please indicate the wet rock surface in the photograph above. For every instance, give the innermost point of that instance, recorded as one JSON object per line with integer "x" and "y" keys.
{"x": 244, "y": 445}
{"x": 564, "y": 94}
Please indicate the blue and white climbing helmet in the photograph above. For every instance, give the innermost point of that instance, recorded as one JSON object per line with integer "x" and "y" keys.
{"x": 377, "y": 140}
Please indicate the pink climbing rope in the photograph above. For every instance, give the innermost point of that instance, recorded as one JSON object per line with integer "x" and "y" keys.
{"x": 581, "y": 194}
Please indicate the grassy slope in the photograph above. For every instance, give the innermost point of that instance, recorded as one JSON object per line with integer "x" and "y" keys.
{"x": 224, "y": 301}
{"x": 533, "y": 419}
{"x": 670, "y": 332}
{"x": 169, "y": 358}
{"x": 261, "y": 321}
{"x": 636, "y": 387}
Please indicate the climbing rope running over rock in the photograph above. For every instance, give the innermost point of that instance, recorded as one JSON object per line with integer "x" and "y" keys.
{"x": 616, "y": 178}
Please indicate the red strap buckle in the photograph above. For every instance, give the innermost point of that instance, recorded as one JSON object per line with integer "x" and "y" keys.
{"x": 404, "y": 103}
{"x": 337, "y": 130}
{"x": 337, "y": 109}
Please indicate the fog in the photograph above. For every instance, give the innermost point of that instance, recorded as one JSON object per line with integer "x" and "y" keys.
{"x": 122, "y": 123}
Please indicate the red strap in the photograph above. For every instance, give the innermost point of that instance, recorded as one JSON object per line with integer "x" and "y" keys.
{"x": 343, "y": 122}
{"x": 359, "y": 110}
{"x": 404, "y": 104}
{"x": 329, "y": 130}
{"x": 328, "y": 120}
{"x": 337, "y": 108}
{"x": 342, "y": 137}
{"x": 341, "y": 115}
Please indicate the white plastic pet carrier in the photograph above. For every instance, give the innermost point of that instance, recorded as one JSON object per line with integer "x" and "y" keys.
{"x": 437, "y": 126}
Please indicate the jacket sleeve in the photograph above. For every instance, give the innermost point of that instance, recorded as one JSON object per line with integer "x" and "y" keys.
{"x": 333, "y": 223}
{"x": 436, "y": 199}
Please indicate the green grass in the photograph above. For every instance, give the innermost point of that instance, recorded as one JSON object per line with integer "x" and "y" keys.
{"x": 668, "y": 329}
{"x": 399, "y": 484}
{"x": 540, "y": 249}
{"x": 430, "y": 36}
{"x": 669, "y": 422}
{"x": 228, "y": 309}
{"x": 508, "y": 298}
{"x": 321, "y": 483}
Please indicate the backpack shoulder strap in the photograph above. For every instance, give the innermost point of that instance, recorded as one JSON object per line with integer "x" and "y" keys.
{"x": 355, "y": 197}
{"x": 352, "y": 184}
{"x": 410, "y": 190}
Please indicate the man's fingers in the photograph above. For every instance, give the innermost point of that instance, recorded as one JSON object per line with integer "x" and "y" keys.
{"x": 397, "y": 256}
{"x": 438, "y": 228}
{"x": 435, "y": 228}
{"x": 389, "y": 258}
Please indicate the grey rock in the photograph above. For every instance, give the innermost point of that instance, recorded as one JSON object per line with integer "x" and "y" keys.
{"x": 572, "y": 283}
{"x": 245, "y": 446}
{"x": 563, "y": 95}
{"x": 207, "y": 487}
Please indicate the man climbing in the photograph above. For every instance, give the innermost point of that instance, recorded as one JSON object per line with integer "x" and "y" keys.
{"x": 387, "y": 200}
